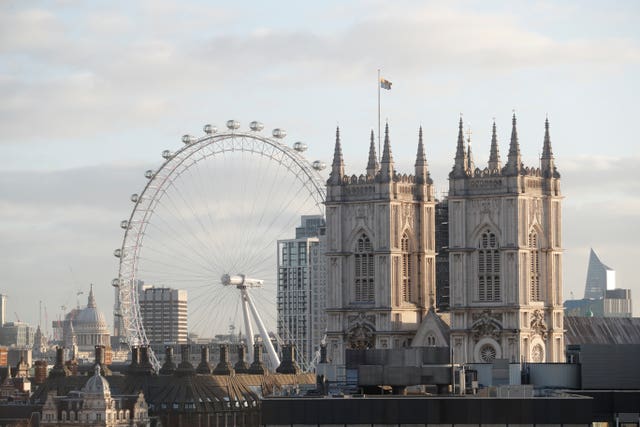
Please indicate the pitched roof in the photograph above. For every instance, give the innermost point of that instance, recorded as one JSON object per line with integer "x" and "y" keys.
{"x": 602, "y": 330}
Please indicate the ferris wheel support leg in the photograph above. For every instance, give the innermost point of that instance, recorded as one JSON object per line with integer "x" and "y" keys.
{"x": 273, "y": 356}
{"x": 248, "y": 330}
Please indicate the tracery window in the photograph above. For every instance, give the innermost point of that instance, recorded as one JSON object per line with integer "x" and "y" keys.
{"x": 534, "y": 267}
{"x": 488, "y": 353}
{"x": 488, "y": 268}
{"x": 431, "y": 340}
{"x": 406, "y": 269}
{"x": 364, "y": 270}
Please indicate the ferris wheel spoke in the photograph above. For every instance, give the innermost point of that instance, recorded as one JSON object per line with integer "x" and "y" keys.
{"x": 189, "y": 236}
{"x": 156, "y": 268}
{"x": 288, "y": 225}
{"x": 210, "y": 226}
{"x": 162, "y": 248}
{"x": 197, "y": 318}
{"x": 198, "y": 261}
{"x": 247, "y": 239}
{"x": 201, "y": 248}
{"x": 269, "y": 231}
{"x": 195, "y": 215}
{"x": 258, "y": 182}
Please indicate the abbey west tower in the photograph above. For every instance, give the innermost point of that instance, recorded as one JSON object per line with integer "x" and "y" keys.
{"x": 505, "y": 256}
{"x": 381, "y": 252}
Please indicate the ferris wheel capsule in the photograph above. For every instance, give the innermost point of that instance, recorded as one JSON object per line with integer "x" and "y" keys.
{"x": 256, "y": 126}
{"x": 188, "y": 139}
{"x": 124, "y": 224}
{"x": 115, "y": 283}
{"x": 148, "y": 174}
{"x": 318, "y": 165}
{"x": 166, "y": 154}
{"x": 134, "y": 198}
{"x": 233, "y": 124}
{"x": 117, "y": 253}
{"x": 300, "y": 146}
{"x": 209, "y": 129}
{"x": 279, "y": 133}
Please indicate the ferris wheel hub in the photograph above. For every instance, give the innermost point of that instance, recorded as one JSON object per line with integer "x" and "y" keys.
{"x": 240, "y": 281}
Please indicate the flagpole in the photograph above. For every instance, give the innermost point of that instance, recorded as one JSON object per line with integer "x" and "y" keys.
{"x": 379, "y": 151}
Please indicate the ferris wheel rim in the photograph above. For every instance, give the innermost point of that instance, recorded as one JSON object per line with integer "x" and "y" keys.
{"x": 296, "y": 164}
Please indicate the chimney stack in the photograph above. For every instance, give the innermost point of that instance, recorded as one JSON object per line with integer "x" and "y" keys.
{"x": 224, "y": 367}
{"x": 257, "y": 367}
{"x": 204, "y": 367}
{"x": 241, "y": 367}
{"x": 169, "y": 366}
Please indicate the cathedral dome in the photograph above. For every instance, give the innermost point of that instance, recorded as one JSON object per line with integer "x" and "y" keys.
{"x": 90, "y": 319}
{"x": 86, "y": 327}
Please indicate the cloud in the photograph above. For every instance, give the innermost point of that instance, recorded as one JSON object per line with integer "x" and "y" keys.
{"x": 592, "y": 181}
{"x": 106, "y": 69}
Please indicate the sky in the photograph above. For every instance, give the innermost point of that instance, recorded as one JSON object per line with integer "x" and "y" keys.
{"x": 92, "y": 92}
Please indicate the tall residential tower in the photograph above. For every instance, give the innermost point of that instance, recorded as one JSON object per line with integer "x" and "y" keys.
{"x": 301, "y": 288}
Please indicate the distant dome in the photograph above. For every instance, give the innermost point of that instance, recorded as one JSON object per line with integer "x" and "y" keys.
{"x": 97, "y": 385}
{"x": 89, "y": 319}
{"x": 86, "y": 327}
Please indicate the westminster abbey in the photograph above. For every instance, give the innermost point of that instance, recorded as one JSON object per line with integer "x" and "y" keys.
{"x": 505, "y": 255}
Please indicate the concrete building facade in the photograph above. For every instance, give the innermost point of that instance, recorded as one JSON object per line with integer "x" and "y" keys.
{"x": 164, "y": 315}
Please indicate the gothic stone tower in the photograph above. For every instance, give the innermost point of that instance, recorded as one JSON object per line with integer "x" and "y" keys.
{"x": 380, "y": 252}
{"x": 505, "y": 256}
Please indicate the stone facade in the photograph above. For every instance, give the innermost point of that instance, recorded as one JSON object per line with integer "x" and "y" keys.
{"x": 505, "y": 255}
{"x": 380, "y": 252}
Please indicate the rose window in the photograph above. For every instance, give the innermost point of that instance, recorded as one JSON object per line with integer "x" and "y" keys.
{"x": 487, "y": 353}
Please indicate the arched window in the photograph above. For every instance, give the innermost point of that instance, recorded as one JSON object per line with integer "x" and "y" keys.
{"x": 534, "y": 267}
{"x": 406, "y": 269}
{"x": 431, "y": 340}
{"x": 488, "y": 268}
{"x": 364, "y": 274}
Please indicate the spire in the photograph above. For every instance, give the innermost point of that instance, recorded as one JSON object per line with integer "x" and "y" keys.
{"x": 91, "y": 300}
{"x": 514, "y": 161}
{"x": 460, "y": 162}
{"x": 337, "y": 167}
{"x": 386, "y": 164}
{"x": 372, "y": 165}
{"x": 546, "y": 149}
{"x": 422, "y": 173}
{"x": 547, "y": 163}
{"x": 470, "y": 165}
{"x": 494, "y": 154}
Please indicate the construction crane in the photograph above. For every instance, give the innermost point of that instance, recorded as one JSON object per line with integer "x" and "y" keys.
{"x": 46, "y": 323}
{"x": 78, "y": 299}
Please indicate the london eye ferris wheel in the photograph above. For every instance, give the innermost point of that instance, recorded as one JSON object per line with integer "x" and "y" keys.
{"x": 208, "y": 221}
